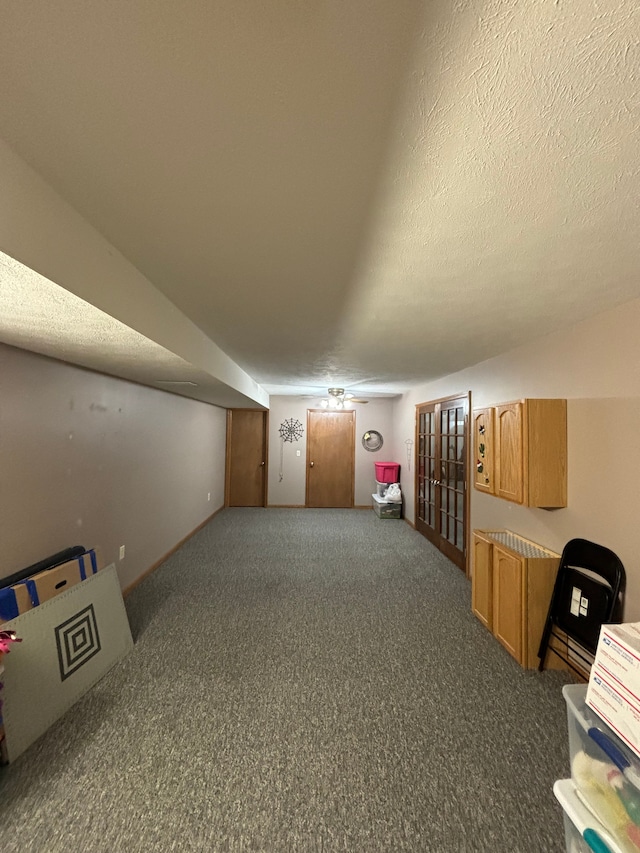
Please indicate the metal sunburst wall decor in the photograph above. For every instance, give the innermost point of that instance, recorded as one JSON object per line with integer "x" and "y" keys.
{"x": 291, "y": 430}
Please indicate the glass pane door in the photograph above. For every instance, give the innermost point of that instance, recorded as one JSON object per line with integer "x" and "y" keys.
{"x": 441, "y": 470}
{"x": 452, "y": 475}
{"x": 426, "y": 492}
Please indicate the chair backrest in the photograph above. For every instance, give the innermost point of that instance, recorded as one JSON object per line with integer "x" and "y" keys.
{"x": 588, "y": 591}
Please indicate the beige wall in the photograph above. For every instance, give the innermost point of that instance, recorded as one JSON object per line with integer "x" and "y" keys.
{"x": 92, "y": 460}
{"x": 596, "y": 366}
{"x": 290, "y": 491}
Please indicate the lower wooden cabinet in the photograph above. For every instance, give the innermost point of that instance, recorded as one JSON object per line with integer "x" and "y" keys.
{"x": 511, "y": 588}
{"x": 482, "y": 580}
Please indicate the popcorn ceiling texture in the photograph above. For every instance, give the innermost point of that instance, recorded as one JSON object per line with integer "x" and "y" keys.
{"x": 512, "y": 188}
{"x": 306, "y": 180}
{"x": 40, "y": 316}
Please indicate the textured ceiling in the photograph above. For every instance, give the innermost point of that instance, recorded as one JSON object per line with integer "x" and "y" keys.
{"x": 40, "y": 316}
{"x": 369, "y": 194}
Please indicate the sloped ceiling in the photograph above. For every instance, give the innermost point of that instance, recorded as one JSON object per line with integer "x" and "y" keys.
{"x": 369, "y": 194}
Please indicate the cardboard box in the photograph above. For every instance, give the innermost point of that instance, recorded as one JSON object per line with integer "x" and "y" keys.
{"x": 14, "y": 600}
{"x": 46, "y": 585}
{"x": 618, "y": 656}
{"x": 614, "y": 683}
{"x": 90, "y": 563}
{"x": 18, "y": 599}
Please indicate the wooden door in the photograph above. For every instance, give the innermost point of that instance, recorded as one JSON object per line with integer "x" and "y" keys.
{"x": 246, "y": 480}
{"x": 441, "y": 478}
{"x": 483, "y": 450}
{"x": 509, "y": 471}
{"x": 482, "y": 581}
{"x": 508, "y": 594}
{"x": 330, "y": 458}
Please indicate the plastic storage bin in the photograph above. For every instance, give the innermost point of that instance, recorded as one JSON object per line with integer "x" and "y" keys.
{"x": 582, "y": 831}
{"x": 381, "y": 488}
{"x": 598, "y": 758}
{"x": 387, "y": 510}
{"x": 387, "y": 472}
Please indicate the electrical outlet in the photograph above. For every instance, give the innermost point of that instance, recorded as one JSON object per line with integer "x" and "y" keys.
{"x": 297, "y": 453}
{"x": 208, "y": 496}
{"x": 122, "y": 552}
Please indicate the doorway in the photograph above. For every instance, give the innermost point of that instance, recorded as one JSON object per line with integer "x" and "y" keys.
{"x": 330, "y": 458}
{"x": 441, "y": 509}
{"x": 246, "y": 474}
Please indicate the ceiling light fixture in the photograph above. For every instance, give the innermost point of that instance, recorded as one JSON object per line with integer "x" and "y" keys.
{"x": 337, "y": 399}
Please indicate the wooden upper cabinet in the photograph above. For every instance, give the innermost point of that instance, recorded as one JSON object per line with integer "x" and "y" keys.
{"x": 483, "y": 449}
{"x": 526, "y": 452}
{"x": 509, "y": 457}
{"x": 546, "y": 453}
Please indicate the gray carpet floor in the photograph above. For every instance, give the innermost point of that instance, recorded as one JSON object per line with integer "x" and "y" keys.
{"x": 302, "y": 680}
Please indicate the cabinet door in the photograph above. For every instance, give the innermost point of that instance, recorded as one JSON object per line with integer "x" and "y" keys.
{"x": 508, "y": 615}
{"x": 481, "y": 581}
{"x": 483, "y": 450}
{"x": 509, "y": 468}
{"x": 545, "y": 453}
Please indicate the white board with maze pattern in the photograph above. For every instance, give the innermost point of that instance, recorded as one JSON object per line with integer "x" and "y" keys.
{"x": 68, "y": 644}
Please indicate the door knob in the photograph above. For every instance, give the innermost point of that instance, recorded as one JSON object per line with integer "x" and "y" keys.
{"x": 311, "y": 464}
{"x": 262, "y": 464}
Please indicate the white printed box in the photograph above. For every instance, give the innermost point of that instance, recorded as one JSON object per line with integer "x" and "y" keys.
{"x": 614, "y": 684}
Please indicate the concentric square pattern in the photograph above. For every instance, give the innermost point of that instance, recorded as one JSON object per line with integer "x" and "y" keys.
{"x": 77, "y": 640}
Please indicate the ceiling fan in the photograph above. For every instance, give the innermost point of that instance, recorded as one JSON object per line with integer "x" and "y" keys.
{"x": 338, "y": 398}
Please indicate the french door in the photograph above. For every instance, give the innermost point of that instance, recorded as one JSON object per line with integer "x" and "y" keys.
{"x": 441, "y": 475}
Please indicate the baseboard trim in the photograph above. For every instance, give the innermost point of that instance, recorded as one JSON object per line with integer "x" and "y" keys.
{"x": 410, "y": 523}
{"x": 162, "y": 559}
{"x": 302, "y": 506}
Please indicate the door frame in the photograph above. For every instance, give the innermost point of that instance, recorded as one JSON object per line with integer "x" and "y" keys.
{"x": 353, "y": 460}
{"x": 227, "y": 454}
{"x": 467, "y": 480}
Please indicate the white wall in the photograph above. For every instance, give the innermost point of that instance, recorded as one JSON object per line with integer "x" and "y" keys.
{"x": 596, "y": 366}
{"x": 290, "y": 491}
{"x": 90, "y": 460}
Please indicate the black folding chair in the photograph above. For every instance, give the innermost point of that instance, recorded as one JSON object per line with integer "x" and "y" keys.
{"x": 588, "y": 593}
